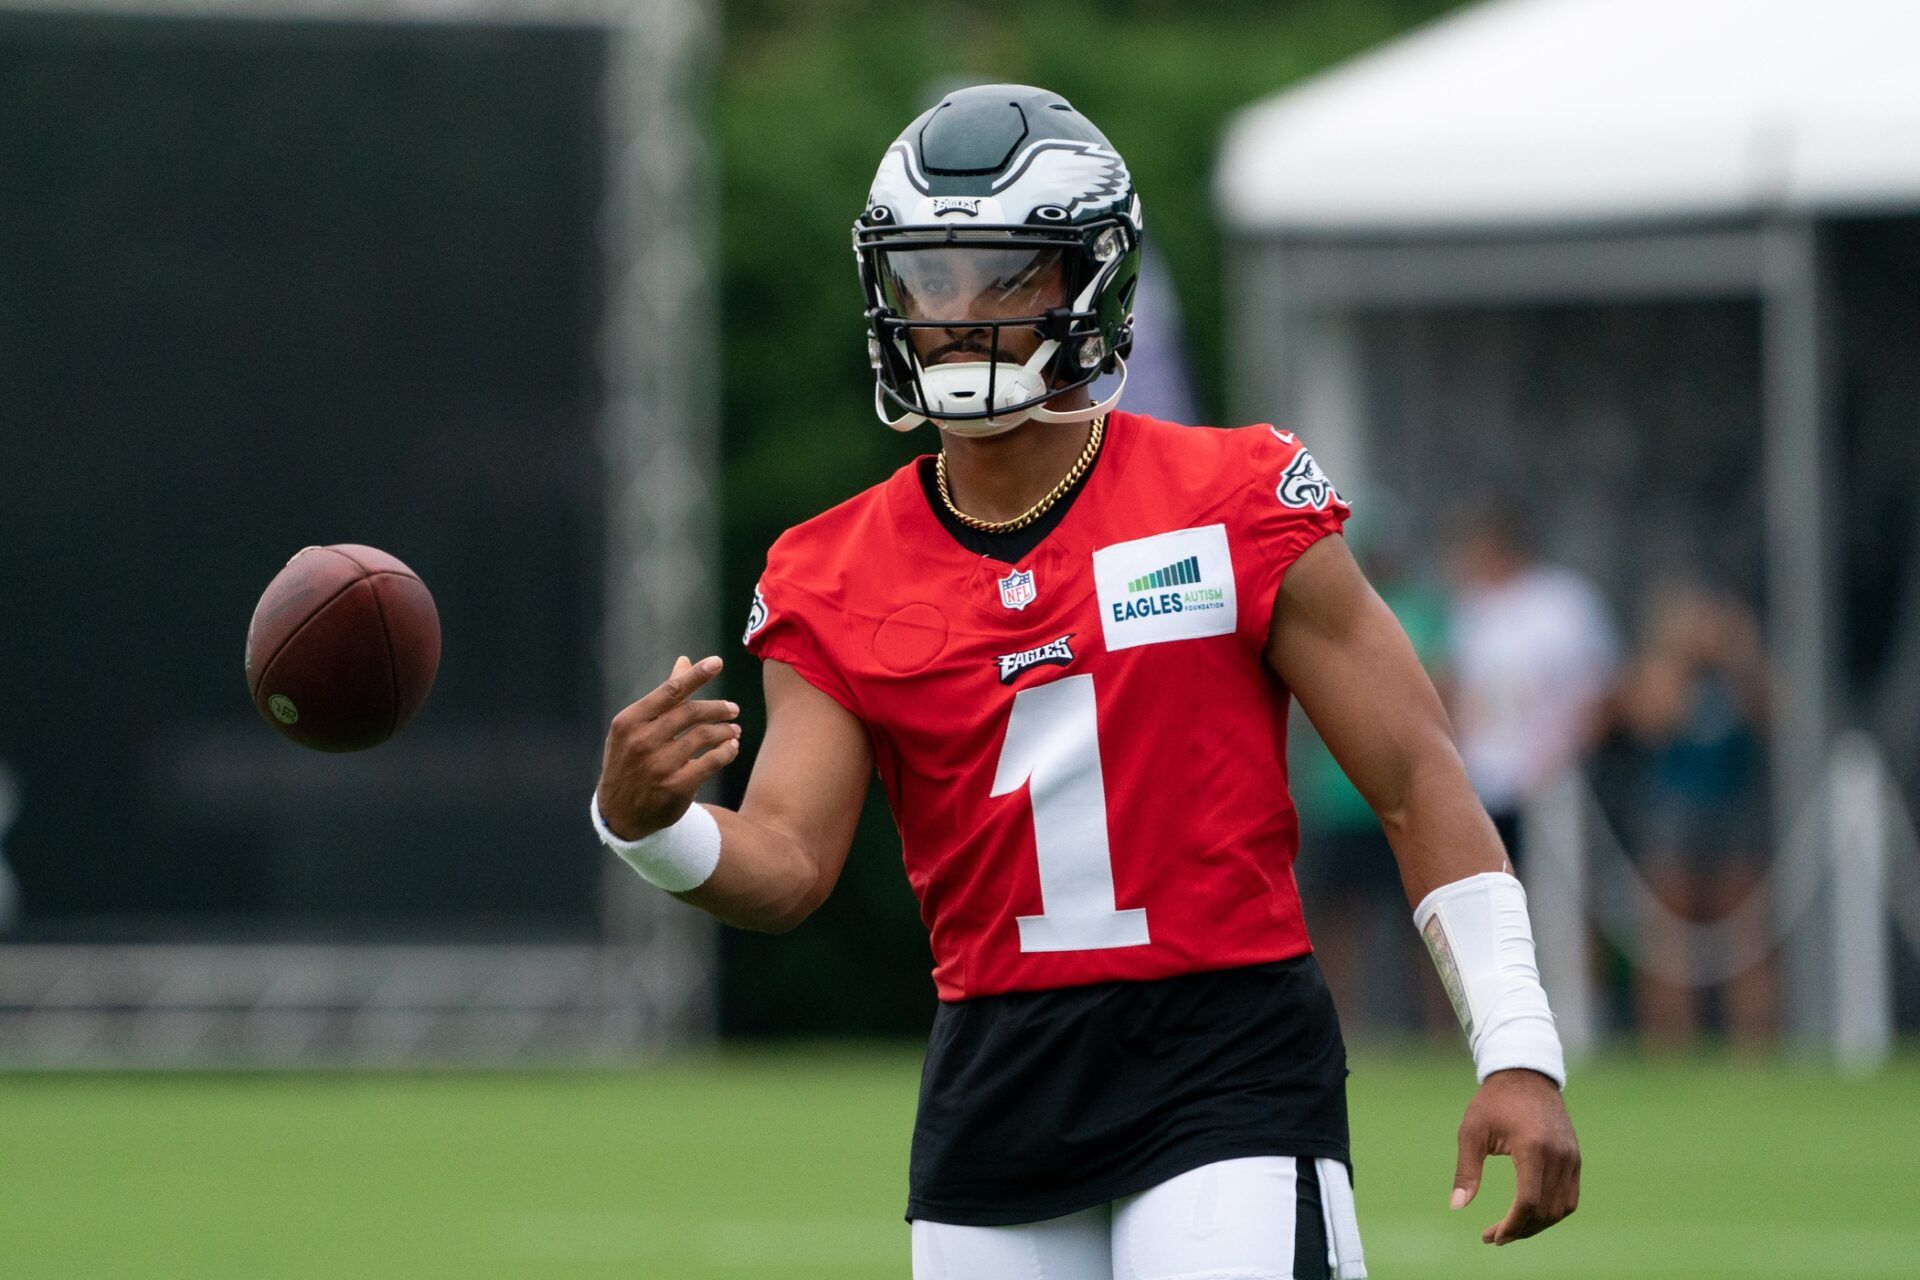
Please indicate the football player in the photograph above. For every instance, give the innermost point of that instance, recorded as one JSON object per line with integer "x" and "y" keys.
{"x": 1066, "y": 643}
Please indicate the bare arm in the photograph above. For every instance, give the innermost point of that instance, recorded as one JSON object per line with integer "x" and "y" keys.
{"x": 782, "y": 851}
{"x": 1347, "y": 660}
{"x": 1353, "y": 670}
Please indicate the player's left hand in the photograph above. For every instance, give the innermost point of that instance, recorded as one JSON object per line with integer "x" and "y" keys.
{"x": 1520, "y": 1114}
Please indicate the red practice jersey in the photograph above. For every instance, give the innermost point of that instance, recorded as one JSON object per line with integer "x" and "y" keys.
{"x": 1085, "y": 752}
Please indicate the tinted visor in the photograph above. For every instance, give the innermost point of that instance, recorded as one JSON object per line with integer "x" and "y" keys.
{"x": 968, "y": 284}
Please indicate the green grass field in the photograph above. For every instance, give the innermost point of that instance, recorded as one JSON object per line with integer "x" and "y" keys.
{"x": 792, "y": 1164}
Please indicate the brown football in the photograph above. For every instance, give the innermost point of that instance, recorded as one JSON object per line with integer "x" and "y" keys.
{"x": 342, "y": 648}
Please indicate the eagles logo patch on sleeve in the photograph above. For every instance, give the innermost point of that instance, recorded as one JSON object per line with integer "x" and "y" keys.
{"x": 756, "y": 616}
{"x": 1304, "y": 485}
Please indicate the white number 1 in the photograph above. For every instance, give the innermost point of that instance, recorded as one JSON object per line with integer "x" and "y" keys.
{"x": 1053, "y": 748}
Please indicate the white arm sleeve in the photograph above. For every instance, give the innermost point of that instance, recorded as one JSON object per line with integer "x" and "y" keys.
{"x": 1481, "y": 941}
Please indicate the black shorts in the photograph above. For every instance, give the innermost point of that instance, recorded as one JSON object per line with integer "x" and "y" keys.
{"x": 1044, "y": 1103}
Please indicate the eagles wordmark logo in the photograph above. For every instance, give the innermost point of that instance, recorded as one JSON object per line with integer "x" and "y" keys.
{"x": 969, "y": 205}
{"x": 1057, "y": 653}
{"x": 1304, "y": 485}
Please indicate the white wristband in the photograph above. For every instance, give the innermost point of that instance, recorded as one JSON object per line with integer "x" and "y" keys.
{"x": 675, "y": 858}
{"x": 1481, "y": 941}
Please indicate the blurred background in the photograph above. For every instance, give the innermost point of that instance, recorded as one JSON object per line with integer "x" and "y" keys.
{"x": 1603, "y": 314}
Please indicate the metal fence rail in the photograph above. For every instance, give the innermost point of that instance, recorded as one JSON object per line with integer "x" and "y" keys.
{"x": 88, "y": 1006}
{"x": 1845, "y": 875}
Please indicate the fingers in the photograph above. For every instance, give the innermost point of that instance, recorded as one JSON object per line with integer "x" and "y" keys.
{"x": 1562, "y": 1183}
{"x": 685, "y": 716}
{"x": 691, "y": 776}
{"x": 672, "y": 756}
{"x": 1546, "y": 1175}
{"x": 1525, "y": 1216}
{"x": 672, "y": 691}
{"x": 1467, "y": 1169}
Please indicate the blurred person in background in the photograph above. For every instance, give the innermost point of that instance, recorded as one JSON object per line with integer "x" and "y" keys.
{"x": 1693, "y": 703}
{"x": 1533, "y": 654}
{"x": 1373, "y": 963}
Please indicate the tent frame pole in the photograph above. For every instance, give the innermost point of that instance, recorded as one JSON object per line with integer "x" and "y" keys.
{"x": 1802, "y": 622}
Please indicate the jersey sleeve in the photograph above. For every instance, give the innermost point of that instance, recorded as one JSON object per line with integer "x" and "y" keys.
{"x": 791, "y": 625}
{"x": 1287, "y": 504}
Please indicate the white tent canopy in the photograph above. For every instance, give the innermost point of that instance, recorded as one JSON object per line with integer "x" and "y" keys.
{"x": 1547, "y": 112}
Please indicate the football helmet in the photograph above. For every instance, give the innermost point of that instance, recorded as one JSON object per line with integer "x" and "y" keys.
{"x": 1002, "y": 224}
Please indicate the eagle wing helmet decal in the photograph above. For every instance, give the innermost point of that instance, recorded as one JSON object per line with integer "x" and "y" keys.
{"x": 1077, "y": 176}
{"x": 899, "y": 183}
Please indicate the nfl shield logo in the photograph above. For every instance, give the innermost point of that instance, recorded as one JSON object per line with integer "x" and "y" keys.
{"x": 1016, "y": 589}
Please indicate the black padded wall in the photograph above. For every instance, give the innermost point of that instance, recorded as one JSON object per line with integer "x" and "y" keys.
{"x": 267, "y": 285}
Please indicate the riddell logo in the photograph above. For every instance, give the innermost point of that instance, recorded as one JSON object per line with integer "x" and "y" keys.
{"x": 1056, "y": 653}
{"x": 969, "y": 205}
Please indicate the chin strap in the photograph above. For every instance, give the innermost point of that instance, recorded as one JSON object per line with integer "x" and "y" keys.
{"x": 994, "y": 426}
{"x": 905, "y": 422}
{"x": 1085, "y": 413}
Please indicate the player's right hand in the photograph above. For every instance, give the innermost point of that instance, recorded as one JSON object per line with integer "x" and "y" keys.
{"x": 662, "y": 748}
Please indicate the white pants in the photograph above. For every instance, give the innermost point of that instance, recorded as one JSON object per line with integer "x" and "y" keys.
{"x": 1234, "y": 1220}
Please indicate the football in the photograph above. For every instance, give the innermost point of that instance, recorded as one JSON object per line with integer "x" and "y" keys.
{"x": 343, "y": 648}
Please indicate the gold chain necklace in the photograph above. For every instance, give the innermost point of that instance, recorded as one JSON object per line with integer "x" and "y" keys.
{"x": 1039, "y": 508}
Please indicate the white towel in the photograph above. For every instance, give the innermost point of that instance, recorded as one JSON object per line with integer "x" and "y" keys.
{"x": 1345, "y": 1259}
